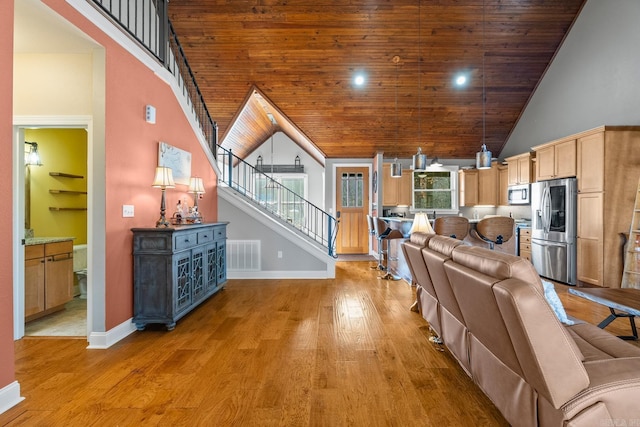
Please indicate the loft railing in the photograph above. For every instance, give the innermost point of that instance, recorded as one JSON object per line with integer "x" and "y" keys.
{"x": 148, "y": 23}
{"x": 280, "y": 201}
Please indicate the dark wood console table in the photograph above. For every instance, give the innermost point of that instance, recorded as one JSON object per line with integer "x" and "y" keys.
{"x": 175, "y": 269}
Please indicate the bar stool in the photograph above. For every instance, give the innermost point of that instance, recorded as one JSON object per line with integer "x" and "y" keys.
{"x": 495, "y": 230}
{"x": 384, "y": 233}
{"x": 452, "y": 226}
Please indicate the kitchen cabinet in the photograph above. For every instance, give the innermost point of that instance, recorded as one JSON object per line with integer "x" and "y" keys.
{"x": 520, "y": 169}
{"x": 503, "y": 185}
{"x": 175, "y": 269}
{"x": 525, "y": 243}
{"x": 556, "y": 159}
{"x": 396, "y": 191}
{"x": 468, "y": 187}
{"x": 48, "y": 277}
{"x": 608, "y": 168}
{"x": 488, "y": 186}
{"x": 478, "y": 186}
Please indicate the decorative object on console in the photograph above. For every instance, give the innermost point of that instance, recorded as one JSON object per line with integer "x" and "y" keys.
{"x": 163, "y": 180}
{"x": 421, "y": 224}
{"x": 196, "y": 187}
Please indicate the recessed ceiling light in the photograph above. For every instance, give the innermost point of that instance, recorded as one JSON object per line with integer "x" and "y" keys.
{"x": 461, "y": 80}
{"x": 359, "y": 79}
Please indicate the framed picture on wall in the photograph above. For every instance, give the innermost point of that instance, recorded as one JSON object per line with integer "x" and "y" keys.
{"x": 178, "y": 160}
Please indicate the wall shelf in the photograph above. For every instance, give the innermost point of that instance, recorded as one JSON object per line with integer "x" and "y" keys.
{"x": 66, "y": 192}
{"x": 65, "y": 175}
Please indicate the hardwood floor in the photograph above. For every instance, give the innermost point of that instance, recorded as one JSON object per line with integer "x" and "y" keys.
{"x": 343, "y": 352}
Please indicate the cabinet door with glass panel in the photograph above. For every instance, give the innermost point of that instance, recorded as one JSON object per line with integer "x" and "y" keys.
{"x": 436, "y": 190}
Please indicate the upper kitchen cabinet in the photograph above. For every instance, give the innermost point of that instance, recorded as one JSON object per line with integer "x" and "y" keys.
{"x": 503, "y": 185}
{"x": 468, "y": 187}
{"x": 396, "y": 191}
{"x": 556, "y": 159}
{"x": 520, "y": 169}
{"x": 488, "y": 186}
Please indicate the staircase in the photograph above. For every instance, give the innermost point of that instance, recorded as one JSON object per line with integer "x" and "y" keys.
{"x": 147, "y": 22}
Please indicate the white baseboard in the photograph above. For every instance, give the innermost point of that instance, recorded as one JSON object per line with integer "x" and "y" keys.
{"x": 103, "y": 340}
{"x": 10, "y": 396}
{"x": 319, "y": 274}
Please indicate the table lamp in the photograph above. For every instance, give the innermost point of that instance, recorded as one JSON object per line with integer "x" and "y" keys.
{"x": 163, "y": 180}
{"x": 421, "y": 223}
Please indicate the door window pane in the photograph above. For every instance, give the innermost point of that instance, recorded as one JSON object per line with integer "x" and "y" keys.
{"x": 352, "y": 190}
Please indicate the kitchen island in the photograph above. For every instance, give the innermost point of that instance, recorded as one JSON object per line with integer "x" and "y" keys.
{"x": 397, "y": 263}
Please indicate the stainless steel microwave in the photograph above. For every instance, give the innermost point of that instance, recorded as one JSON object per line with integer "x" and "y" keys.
{"x": 519, "y": 194}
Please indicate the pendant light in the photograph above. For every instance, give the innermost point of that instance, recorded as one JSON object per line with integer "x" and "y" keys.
{"x": 483, "y": 157}
{"x": 396, "y": 166}
{"x": 419, "y": 159}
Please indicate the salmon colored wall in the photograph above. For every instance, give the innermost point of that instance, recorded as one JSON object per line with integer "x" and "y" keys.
{"x": 7, "y": 366}
{"x": 131, "y": 157}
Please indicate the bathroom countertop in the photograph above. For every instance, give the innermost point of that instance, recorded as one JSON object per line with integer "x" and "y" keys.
{"x": 43, "y": 240}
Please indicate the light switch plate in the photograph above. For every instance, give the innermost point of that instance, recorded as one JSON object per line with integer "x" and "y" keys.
{"x": 127, "y": 211}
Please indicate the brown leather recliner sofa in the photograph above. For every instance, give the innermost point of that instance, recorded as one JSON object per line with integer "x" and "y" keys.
{"x": 489, "y": 310}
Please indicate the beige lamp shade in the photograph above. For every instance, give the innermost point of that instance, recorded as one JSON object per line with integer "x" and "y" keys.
{"x": 196, "y": 185}
{"x": 421, "y": 223}
{"x": 163, "y": 178}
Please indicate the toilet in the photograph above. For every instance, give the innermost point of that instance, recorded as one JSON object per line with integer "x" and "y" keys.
{"x": 80, "y": 270}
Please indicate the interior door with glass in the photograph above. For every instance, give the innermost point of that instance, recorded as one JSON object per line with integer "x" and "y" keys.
{"x": 352, "y": 202}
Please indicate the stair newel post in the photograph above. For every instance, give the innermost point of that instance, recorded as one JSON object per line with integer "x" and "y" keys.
{"x": 230, "y": 166}
{"x": 329, "y": 234}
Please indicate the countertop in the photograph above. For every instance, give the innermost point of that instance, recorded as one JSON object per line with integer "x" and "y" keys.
{"x": 43, "y": 240}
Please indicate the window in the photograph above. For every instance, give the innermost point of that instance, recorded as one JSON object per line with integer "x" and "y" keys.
{"x": 286, "y": 203}
{"x": 436, "y": 189}
{"x": 352, "y": 190}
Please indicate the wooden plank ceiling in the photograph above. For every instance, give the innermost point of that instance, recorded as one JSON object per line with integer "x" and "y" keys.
{"x": 300, "y": 58}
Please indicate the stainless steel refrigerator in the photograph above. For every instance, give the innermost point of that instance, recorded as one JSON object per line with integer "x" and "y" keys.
{"x": 553, "y": 229}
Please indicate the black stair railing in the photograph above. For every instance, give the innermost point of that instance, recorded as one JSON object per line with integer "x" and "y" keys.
{"x": 147, "y": 22}
{"x": 273, "y": 197}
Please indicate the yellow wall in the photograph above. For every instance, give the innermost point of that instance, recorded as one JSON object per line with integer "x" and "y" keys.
{"x": 61, "y": 150}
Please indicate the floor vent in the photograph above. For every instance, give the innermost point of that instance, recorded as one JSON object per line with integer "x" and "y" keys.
{"x": 243, "y": 255}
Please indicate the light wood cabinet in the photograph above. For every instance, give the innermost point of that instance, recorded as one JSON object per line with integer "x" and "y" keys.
{"x": 33, "y": 279}
{"x": 520, "y": 169}
{"x": 608, "y": 169}
{"x": 48, "y": 278}
{"x": 468, "y": 187}
{"x": 479, "y": 186}
{"x": 524, "y": 249}
{"x": 396, "y": 191}
{"x": 556, "y": 159}
{"x": 503, "y": 185}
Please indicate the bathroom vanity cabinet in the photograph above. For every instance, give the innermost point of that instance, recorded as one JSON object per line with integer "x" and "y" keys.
{"x": 48, "y": 277}
{"x": 175, "y": 269}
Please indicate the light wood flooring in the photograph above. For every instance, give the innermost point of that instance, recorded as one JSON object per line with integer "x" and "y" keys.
{"x": 343, "y": 352}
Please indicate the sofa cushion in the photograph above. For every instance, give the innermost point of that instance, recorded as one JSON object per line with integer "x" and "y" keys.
{"x": 420, "y": 238}
{"x": 597, "y": 344}
{"x": 497, "y": 264}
